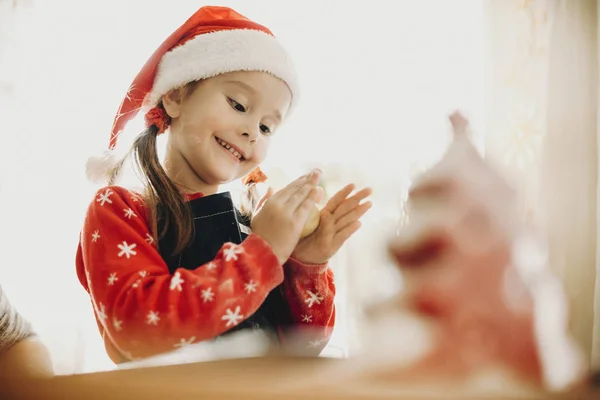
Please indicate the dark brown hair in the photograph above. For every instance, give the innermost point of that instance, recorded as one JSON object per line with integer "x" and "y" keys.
{"x": 163, "y": 198}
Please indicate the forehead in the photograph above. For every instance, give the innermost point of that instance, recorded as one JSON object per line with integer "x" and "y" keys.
{"x": 242, "y": 75}
{"x": 262, "y": 86}
{"x": 254, "y": 80}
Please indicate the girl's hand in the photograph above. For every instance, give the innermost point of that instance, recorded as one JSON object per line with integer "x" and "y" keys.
{"x": 339, "y": 221}
{"x": 280, "y": 217}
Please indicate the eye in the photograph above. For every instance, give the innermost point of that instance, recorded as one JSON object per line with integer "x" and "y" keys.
{"x": 236, "y": 106}
{"x": 265, "y": 129}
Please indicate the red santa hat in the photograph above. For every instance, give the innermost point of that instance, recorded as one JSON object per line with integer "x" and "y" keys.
{"x": 213, "y": 41}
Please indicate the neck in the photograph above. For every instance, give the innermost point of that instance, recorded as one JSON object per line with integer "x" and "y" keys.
{"x": 182, "y": 175}
{"x": 191, "y": 186}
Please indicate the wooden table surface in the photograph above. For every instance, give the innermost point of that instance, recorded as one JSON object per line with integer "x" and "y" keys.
{"x": 252, "y": 378}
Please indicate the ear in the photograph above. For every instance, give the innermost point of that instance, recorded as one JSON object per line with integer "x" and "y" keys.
{"x": 172, "y": 102}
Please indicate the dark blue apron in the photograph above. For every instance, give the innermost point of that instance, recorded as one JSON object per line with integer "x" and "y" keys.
{"x": 217, "y": 221}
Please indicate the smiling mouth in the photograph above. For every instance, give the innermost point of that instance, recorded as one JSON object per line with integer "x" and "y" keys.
{"x": 230, "y": 148}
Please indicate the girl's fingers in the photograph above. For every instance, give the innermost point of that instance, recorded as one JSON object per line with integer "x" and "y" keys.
{"x": 338, "y": 198}
{"x": 351, "y": 203}
{"x": 352, "y": 216}
{"x": 320, "y": 195}
{"x": 344, "y": 234}
{"x": 298, "y": 198}
{"x": 285, "y": 194}
{"x": 303, "y": 209}
{"x": 267, "y": 195}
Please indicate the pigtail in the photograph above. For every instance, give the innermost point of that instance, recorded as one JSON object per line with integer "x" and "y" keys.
{"x": 163, "y": 198}
{"x": 166, "y": 205}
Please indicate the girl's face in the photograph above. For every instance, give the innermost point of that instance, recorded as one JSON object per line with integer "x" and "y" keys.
{"x": 221, "y": 127}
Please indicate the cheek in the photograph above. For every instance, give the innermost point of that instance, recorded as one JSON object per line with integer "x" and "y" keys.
{"x": 261, "y": 150}
{"x": 201, "y": 117}
{"x": 196, "y": 130}
{"x": 212, "y": 121}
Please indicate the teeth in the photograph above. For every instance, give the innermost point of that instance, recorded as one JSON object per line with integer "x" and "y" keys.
{"x": 231, "y": 149}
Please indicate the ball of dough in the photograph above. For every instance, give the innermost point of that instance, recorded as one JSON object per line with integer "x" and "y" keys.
{"x": 312, "y": 223}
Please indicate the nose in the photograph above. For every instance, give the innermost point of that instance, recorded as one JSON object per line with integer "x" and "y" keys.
{"x": 251, "y": 133}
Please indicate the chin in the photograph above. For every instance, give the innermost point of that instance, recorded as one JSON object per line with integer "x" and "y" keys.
{"x": 227, "y": 175}
{"x": 222, "y": 179}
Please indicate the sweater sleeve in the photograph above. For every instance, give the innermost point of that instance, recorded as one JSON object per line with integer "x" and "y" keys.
{"x": 13, "y": 327}
{"x": 142, "y": 308}
{"x": 309, "y": 291}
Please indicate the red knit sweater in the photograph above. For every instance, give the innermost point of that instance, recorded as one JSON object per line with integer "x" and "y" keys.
{"x": 143, "y": 310}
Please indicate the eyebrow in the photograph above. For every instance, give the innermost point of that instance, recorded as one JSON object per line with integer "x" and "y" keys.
{"x": 243, "y": 86}
{"x": 250, "y": 89}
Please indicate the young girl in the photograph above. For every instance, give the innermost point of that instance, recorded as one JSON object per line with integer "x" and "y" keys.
{"x": 178, "y": 263}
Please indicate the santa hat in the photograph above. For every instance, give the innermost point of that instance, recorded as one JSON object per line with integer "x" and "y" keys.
{"x": 213, "y": 41}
